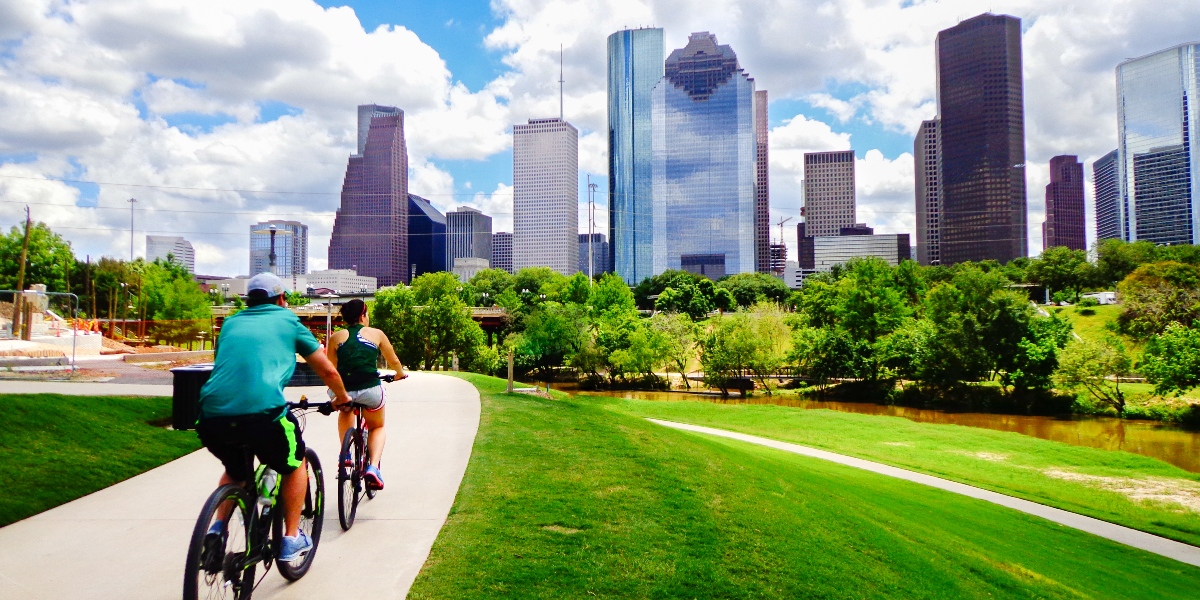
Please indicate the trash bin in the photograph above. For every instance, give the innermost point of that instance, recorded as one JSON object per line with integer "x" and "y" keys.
{"x": 185, "y": 395}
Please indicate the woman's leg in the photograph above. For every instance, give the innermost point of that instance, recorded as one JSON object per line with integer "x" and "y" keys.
{"x": 376, "y": 436}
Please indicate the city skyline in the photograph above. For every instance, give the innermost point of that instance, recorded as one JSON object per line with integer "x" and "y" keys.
{"x": 169, "y": 129}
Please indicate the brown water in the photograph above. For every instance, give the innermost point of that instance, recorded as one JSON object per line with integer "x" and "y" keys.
{"x": 1179, "y": 447}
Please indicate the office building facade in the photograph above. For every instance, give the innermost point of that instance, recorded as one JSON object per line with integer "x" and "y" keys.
{"x": 928, "y": 166}
{"x": 829, "y": 202}
{"x": 599, "y": 254}
{"x": 468, "y": 234}
{"x": 179, "y": 250}
{"x": 704, "y": 161}
{"x": 502, "y": 248}
{"x": 1107, "y": 192}
{"x": 426, "y": 238}
{"x": 982, "y": 132}
{"x": 342, "y": 281}
{"x": 762, "y": 186}
{"x": 546, "y": 195}
{"x": 1064, "y": 224}
{"x": 1158, "y": 115}
{"x": 820, "y": 254}
{"x": 370, "y": 230}
{"x": 635, "y": 66}
{"x": 291, "y": 247}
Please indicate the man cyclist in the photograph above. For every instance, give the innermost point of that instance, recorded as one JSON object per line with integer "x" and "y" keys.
{"x": 242, "y": 403}
{"x": 355, "y": 352}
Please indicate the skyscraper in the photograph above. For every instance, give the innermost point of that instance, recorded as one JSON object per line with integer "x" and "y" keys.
{"x": 762, "y": 186}
{"x": 1107, "y": 193}
{"x": 179, "y": 249}
{"x": 426, "y": 238}
{"x": 982, "y": 113}
{"x": 291, "y": 247}
{"x": 927, "y": 163}
{"x": 704, "y": 162}
{"x": 502, "y": 251}
{"x": 468, "y": 234}
{"x": 829, "y": 203}
{"x": 1064, "y": 224}
{"x": 546, "y": 195}
{"x": 370, "y": 231}
{"x": 635, "y": 64}
{"x": 599, "y": 256}
{"x": 1158, "y": 115}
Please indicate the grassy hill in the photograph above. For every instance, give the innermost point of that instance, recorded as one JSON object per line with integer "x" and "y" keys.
{"x": 566, "y": 498}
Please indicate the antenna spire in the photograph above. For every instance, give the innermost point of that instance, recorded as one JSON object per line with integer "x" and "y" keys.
{"x": 560, "y": 82}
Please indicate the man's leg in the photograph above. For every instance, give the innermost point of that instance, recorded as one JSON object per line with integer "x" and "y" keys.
{"x": 295, "y": 484}
{"x": 376, "y": 436}
{"x": 226, "y": 506}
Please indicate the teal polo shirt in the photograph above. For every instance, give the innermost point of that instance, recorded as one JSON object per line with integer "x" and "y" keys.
{"x": 256, "y": 356}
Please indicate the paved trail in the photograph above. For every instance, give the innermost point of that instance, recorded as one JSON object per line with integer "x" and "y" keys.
{"x": 1124, "y": 535}
{"x": 129, "y": 541}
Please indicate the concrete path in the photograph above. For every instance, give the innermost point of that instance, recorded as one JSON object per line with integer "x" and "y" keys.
{"x": 1124, "y": 535}
{"x": 129, "y": 541}
{"x": 76, "y": 388}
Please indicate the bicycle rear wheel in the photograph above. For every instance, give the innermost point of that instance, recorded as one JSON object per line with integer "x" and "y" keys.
{"x": 350, "y": 483}
{"x": 220, "y": 566}
{"x": 312, "y": 518}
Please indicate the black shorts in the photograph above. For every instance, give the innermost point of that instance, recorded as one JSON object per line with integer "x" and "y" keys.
{"x": 276, "y": 442}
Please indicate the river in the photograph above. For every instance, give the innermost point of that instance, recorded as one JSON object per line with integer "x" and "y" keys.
{"x": 1167, "y": 443}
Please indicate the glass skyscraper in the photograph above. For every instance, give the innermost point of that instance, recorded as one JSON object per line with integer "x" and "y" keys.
{"x": 704, "y": 161}
{"x": 635, "y": 64}
{"x": 1158, "y": 112}
{"x": 1104, "y": 182}
{"x": 291, "y": 247}
{"x": 1064, "y": 224}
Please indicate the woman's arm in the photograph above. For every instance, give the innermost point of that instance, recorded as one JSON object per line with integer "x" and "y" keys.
{"x": 335, "y": 340}
{"x": 389, "y": 355}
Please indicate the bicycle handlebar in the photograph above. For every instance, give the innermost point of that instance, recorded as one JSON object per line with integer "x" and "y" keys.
{"x": 327, "y": 408}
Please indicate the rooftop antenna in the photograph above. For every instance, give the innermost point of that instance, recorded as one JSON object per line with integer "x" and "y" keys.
{"x": 560, "y": 82}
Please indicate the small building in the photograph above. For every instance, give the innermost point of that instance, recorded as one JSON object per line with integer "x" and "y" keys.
{"x": 341, "y": 281}
{"x": 466, "y": 267}
{"x": 1102, "y": 297}
{"x": 820, "y": 254}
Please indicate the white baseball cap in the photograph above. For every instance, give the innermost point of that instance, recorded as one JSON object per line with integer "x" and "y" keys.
{"x": 266, "y": 282}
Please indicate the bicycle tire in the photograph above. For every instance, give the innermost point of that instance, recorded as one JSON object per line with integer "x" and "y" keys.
{"x": 197, "y": 574}
{"x": 312, "y": 519}
{"x": 349, "y": 479}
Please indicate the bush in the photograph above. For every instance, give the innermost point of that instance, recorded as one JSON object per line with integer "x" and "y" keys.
{"x": 1088, "y": 302}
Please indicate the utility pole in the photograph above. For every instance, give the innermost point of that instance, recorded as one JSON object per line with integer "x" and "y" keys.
{"x": 17, "y": 312}
{"x": 591, "y": 230}
{"x": 132, "y": 201}
{"x": 560, "y": 83}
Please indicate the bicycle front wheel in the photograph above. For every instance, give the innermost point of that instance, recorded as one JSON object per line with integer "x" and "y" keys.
{"x": 350, "y": 481}
{"x": 312, "y": 518}
{"x": 219, "y": 564}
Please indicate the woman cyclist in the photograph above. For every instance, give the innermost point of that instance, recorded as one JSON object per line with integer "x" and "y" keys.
{"x": 355, "y": 352}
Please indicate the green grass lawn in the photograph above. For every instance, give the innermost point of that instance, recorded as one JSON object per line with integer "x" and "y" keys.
{"x": 1094, "y": 326}
{"x": 1006, "y": 462}
{"x": 55, "y": 448}
{"x": 566, "y": 498}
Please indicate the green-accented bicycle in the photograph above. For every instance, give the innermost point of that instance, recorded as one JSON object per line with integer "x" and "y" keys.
{"x": 223, "y": 566}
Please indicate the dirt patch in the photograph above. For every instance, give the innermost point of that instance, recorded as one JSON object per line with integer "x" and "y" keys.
{"x": 561, "y": 529}
{"x": 111, "y": 346}
{"x": 988, "y": 456}
{"x": 171, "y": 364}
{"x": 1183, "y": 492}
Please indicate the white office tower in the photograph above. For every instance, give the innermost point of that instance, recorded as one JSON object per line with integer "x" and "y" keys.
{"x": 828, "y": 192}
{"x": 927, "y": 163}
{"x": 159, "y": 246}
{"x": 546, "y": 195}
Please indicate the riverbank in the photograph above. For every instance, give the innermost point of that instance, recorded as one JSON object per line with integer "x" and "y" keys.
{"x": 54, "y": 448}
{"x": 569, "y": 498}
{"x": 1119, "y": 487}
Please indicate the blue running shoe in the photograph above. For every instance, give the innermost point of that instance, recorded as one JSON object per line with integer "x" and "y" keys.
{"x": 295, "y": 548}
{"x": 373, "y": 478}
{"x": 346, "y": 462}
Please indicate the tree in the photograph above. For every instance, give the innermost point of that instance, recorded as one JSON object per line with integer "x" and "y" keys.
{"x": 574, "y": 289}
{"x": 1033, "y": 365}
{"x": 553, "y": 331}
{"x": 610, "y": 294}
{"x": 653, "y": 286}
{"x": 531, "y": 283}
{"x": 1158, "y": 294}
{"x": 772, "y": 340}
{"x": 647, "y": 350}
{"x": 679, "y": 333}
{"x": 1061, "y": 269}
{"x": 1090, "y": 364}
{"x": 428, "y": 322}
{"x": 726, "y": 350}
{"x": 686, "y": 297}
{"x": 1172, "y": 360}
{"x": 750, "y": 288}
{"x": 50, "y": 260}
{"x": 491, "y": 282}
{"x": 1116, "y": 259}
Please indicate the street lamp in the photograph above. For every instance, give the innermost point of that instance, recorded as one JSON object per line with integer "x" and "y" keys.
{"x": 271, "y": 256}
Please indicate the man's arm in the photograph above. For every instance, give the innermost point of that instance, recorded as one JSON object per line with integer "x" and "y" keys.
{"x": 328, "y": 373}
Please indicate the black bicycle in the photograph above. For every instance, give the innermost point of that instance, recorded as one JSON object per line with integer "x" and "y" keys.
{"x": 351, "y": 484}
{"x": 223, "y": 565}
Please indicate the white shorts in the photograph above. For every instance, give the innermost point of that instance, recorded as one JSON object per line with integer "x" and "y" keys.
{"x": 372, "y": 397}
